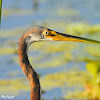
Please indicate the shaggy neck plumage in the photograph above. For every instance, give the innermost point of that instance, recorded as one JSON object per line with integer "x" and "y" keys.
{"x": 29, "y": 71}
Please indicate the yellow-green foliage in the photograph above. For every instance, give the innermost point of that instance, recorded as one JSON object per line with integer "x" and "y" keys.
{"x": 37, "y": 46}
{"x": 82, "y": 28}
{"x": 94, "y": 51}
{"x": 56, "y": 61}
{"x": 94, "y": 82}
{"x": 16, "y": 12}
{"x": 63, "y": 79}
{"x": 64, "y": 50}
{"x": 47, "y": 48}
{"x": 52, "y": 47}
{"x": 60, "y": 80}
{"x": 48, "y": 82}
{"x": 93, "y": 93}
{"x": 93, "y": 68}
{"x": 4, "y": 51}
{"x": 52, "y": 63}
{"x": 14, "y": 86}
{"x": 0, "y": 10}
{"x": 13, "y": 32}
{"x": 55, "y": 47}
{"x": 68, "y": 12}
{"x": 75, "y": 29}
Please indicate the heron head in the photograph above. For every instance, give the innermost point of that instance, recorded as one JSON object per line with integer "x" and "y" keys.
{"x": 39, "y": 33}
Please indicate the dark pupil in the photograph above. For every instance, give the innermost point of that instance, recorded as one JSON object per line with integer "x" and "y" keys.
{"x": 46, "y": 32}
{"x": 29, "y": 37}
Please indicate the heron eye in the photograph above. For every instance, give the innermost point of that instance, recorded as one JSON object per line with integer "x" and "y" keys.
{"x": 29, "y": 36}
{"x": 45, "y": 33}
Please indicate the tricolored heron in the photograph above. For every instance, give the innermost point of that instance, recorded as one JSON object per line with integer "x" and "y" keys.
{"x": 35, "y": 34}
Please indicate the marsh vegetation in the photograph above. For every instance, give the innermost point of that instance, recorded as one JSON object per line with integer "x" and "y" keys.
{"x": 67, "y": 70}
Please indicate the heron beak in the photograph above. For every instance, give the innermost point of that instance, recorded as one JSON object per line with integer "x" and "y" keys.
{"x": 56, "y": 36}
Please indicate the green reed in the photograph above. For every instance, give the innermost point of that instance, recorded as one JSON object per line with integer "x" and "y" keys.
{"x": 0, "y": 10}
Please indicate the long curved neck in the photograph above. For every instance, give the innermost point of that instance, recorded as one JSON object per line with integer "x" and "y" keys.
{"x": 29, "y": 71}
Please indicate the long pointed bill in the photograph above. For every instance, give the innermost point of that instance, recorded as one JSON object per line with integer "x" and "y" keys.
{"x": 56, "y": 36}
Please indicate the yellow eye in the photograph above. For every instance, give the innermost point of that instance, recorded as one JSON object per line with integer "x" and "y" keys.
{"x": 45, "y": 33}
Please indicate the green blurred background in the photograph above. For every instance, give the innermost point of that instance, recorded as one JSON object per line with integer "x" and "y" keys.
{"x": 0, "y": 10}
{"x": 67, "y": 70}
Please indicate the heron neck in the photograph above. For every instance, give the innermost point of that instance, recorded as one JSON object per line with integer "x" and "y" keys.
{"x": 29, "y": 71}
